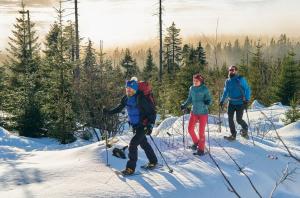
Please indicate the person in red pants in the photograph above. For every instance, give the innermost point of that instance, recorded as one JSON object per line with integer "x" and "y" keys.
{"x": 200, "y": 98}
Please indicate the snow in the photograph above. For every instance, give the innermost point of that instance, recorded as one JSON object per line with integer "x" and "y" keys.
{"x": 43, "y": 168}
{"x": 256, "y": 105}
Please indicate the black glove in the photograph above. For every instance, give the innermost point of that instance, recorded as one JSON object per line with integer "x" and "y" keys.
{"x": 106, "y": 111}
{"x": 206, "y": 102}
{"x": 221, "y": 104}
{"x": 149, "y": 129}
{"x": 246, "y": 103}
{"x": 182, "y": 107}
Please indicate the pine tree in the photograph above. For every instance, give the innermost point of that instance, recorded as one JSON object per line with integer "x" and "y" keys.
{"x": 2, "y": 94}
{"x": 129, "y": 64}
{"x": 24, "y": 77}
{"x": 150, "y": 69}
{"x": 293, "y": 114}
{"x": 69, "y": 32}
{"x": 260, "y": 77}
{"x": 185, "y": 54}
{"x": 172, "y": 46}
{"x": 201, "y": 56}
{"x": 57, "y": 85}
{"x": 91, "y": 88}
{"x": 289, "y": 83}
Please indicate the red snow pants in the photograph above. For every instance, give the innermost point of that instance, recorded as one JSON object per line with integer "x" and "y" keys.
{"x": 202, "y": 118}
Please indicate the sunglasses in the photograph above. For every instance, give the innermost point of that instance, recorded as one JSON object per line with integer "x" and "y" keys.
{"x": 231, "y": 70}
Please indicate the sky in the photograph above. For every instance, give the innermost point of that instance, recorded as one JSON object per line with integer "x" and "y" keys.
{"x": 124, "y": 22}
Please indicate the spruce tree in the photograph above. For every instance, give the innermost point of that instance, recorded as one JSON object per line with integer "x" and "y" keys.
{"x": 289, "y": 83}
{"x": 24, "y": 77}
{"x": 129, "y": 64}
{"x": 150, "y": 69}
{"x": 172, "y": 52}
{"x": 293, "y": 114}
{"x": 201, "y": 56}
{"x": 259, "y": 79}
{"x": 57, "y": 85}
{"x": 91, "y": 88}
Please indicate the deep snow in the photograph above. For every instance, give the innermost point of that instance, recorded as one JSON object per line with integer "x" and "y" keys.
{"x": 43, "y": 168}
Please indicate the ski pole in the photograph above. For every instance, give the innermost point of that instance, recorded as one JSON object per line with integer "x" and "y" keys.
{"x": 220, "y": 122}
{"x": 208, "y": 133}
{"x": 183, "y": 138}
{"x": 170, "y": 169}
{"x": 225, "y": 121}
{"x": 249, "y": 125}
{"x": 106, "y": 142}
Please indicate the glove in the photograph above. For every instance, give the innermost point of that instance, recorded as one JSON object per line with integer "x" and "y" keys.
{"x": 149, "y": 129}
{"x": 182, "y": 107}
{"x": 206, "y": 102}
{"x": 221, "y": 104}
{"x": 106, "y": 111}
{"x": 246, "y": 103}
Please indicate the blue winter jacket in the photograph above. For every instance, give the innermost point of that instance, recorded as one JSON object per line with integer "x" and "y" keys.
{"x": 138, "y": 108}
{"x": 200, "y": 99}
{"x": 133, "y": 110}
{"x": 236, "y": 89}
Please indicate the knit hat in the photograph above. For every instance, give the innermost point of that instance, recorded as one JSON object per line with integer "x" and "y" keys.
{"x": 199, "y": 77}
{"x": 132, "y": 84}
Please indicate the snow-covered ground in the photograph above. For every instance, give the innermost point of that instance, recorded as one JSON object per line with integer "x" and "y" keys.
{"x": 43, "y": 168}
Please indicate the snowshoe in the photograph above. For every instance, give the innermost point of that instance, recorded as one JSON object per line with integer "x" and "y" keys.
{"x": 230, "y": 138}
{"x": 149, "y": 166}
{"x": 199, "y": 152}
{"x": 193, "y": 147}
{"x": 127, "y": 172}
{"x": 244, "y": 134}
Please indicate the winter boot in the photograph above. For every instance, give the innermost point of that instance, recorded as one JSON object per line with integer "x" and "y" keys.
{"x": 244, "y": 133}
{"x": 199, "y": 152}
{"x": 193, "y": 147}
{"x": 149, "y": 166}
{"x": 230, "y": 138}
{"x": 127, "y": 171}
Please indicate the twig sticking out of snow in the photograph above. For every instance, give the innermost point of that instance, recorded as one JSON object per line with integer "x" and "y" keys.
{"x": 231, "y": 189}
{"x": 287, "y": 174}
{"x": 280, "y": 139}
{"x": 239, "y": 168}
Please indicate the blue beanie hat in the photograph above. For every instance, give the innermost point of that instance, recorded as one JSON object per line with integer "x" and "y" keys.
{"x": 132, "y": 84}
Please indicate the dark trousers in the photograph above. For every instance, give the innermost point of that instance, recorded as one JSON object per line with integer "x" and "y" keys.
{"x": 139, "y": 139}
{"x": 239, "y": 109}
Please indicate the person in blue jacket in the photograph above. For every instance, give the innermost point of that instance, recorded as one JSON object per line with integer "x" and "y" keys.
{"x": 238, "y": 92}
{"x": 141, "y": 116}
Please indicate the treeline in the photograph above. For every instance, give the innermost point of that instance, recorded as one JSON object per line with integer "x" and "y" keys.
{"x": 50, "y": 93}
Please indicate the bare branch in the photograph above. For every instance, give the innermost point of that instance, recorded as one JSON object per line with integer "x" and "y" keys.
{"x": 287, "y": 174}
{"x": 241, "y": 169}
{"x": 280, "y": 139}
{"x": 231, "y": 188}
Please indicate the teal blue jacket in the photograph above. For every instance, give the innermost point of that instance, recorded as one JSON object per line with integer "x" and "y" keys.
{"x": 200, "y": 98}
{"x": 237, "y": 90}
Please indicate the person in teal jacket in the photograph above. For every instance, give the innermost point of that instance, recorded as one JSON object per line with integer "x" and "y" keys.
{"x": 200, "y": 98}
{"x": 238, "y": 92}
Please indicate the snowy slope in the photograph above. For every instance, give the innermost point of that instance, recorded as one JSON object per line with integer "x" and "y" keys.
{"x": 43, "y": 168}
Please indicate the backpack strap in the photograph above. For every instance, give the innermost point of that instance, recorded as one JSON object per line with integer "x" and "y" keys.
{"x": 240, "y": 87}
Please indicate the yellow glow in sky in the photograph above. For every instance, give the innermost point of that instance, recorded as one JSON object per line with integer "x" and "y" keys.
{"x": 120, "y": 22}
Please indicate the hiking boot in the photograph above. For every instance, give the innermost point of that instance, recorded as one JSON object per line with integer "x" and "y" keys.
{"x": 127, "y": 171}
{"x": 230, "y": 138}
{"x": 194, "y": 147}
{"x": 199, "y": 152}
{"x": 149, "y": 166}
{"x": 244, "y": 133}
